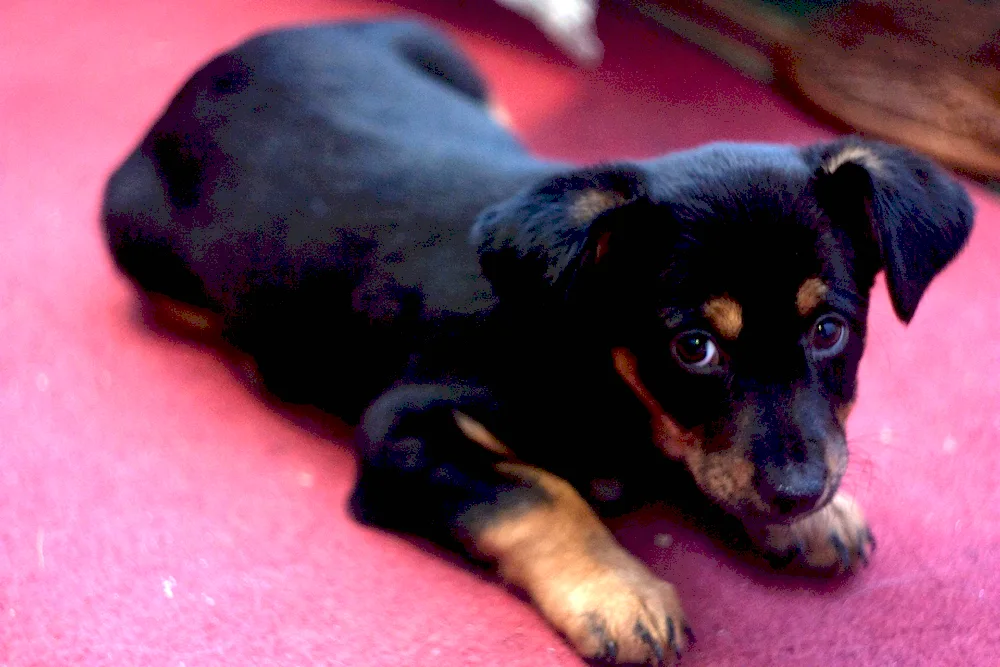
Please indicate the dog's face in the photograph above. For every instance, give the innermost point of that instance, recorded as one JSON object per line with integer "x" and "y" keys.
{"x": 730, "y": 286}
{"x": 747, "y": 350}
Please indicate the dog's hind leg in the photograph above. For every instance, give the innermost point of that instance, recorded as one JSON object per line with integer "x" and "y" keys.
{"x": 430, "y": 466}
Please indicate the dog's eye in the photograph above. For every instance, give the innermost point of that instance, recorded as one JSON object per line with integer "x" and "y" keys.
{"x": 696, "y": 350}
{"x": 828, "y": 336}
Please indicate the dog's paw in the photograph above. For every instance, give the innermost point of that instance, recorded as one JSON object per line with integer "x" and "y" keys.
{"x": 836, "y": 538}
{"x": 619, "y": 616}
{"x": 607, "y": 603}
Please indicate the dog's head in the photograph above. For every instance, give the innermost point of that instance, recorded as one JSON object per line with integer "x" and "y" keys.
{"x": 730, "y": 286}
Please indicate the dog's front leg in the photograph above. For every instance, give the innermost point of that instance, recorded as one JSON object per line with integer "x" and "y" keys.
{"x": 835, "y": 538}
{"x": 601, "y": 597}
{"x": 430, "y": 467}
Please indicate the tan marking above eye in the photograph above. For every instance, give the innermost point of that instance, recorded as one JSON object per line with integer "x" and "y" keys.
{"x": 591, "y": 203}
{"x": 863, "y": 157}
{"x": 725, "y": 315}
{"x": 480, "y": 435}
{"x": 810, "y": 295}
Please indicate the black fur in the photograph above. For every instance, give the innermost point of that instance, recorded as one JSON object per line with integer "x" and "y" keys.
{"x": 341, "y": 197}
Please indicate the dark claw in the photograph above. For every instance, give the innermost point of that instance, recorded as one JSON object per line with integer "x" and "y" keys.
{"x": 863, "y": 550}
{"x": 597, "y": 628}
{"x": 796, "y": 551}
{"x": 672, "y": 636}
{"x": 871, "y": 539}
{"x": 647, "y": 638}
{"x": 689, "y": 633}
{"x": 787, "y": 557}
{"x": 799, "y": 548}
{"x": 842, "y": 552}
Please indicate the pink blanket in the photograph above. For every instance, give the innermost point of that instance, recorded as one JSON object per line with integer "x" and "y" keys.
{"x": 155, "y": 511}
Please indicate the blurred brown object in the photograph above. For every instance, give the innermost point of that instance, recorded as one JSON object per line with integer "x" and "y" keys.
{"x": 923, "y": 73}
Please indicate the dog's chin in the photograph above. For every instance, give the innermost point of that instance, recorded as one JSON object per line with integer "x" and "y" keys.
{"x": 755, "y": 516}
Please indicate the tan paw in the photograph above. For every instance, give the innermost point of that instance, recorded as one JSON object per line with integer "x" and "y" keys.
{"x": 624, "y": 615}
{"x": 836, "y": 537}
{"x": 600, "y": 597}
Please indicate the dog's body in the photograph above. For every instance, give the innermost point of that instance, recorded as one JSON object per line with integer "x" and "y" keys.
{"x": 515, "y": 335}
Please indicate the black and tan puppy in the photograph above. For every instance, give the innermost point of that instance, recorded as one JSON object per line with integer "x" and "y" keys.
{"x": 516, "y": 337}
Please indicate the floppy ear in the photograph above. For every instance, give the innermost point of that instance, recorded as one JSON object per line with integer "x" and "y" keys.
{"x": 906, "y": 215}
{"x": 544, "y": 235}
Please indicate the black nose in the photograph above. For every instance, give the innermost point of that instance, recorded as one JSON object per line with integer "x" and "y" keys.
{"x": 793, "y": 488}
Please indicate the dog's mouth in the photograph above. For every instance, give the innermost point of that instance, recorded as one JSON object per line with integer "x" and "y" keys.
{"x": 730, "y": 481}
{"x": 753, "y": 517}
{"x": 828, "y": 493}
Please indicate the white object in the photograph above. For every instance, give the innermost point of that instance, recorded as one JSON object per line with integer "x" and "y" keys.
{"x": 569, "y": 24}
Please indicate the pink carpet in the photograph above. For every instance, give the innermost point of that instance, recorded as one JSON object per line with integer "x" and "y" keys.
{"x": 155, "y": 512}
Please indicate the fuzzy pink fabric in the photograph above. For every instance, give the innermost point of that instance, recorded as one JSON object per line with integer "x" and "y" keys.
{"x": 155, "y": 511}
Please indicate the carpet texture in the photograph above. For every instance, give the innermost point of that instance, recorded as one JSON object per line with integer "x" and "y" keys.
{"x": 155, "y": 511}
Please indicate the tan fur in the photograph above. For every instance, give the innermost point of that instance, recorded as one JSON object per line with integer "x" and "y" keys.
{"x": 602, "y": 246}
{"x": 184, "y": 317}
{"x": 667, "y": 434}
{"x": 725, "y": 475}
{"x": 479, "y": 434}
{"x": 836, "y": 457}
{"x": 726, "y": 316}
{"x": 843, "y": 412}
{"x": 202, "y": 325}
{"x": 856, "y": 154}
{"x": 580, "y": 578}
{"x": 810, "y": 295}
{"x": 591, "y": 203}
{"x": 501, "y": 116}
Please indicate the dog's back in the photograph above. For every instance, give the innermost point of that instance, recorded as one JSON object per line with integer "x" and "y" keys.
{"x": 339, "y": 165}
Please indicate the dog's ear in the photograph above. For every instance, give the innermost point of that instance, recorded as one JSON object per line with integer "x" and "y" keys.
{"x": 545, "y": 235}
{"x": 906, "y": 216}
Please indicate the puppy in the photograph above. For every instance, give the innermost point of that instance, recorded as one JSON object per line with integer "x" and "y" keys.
{"x": 521, "y": 341}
